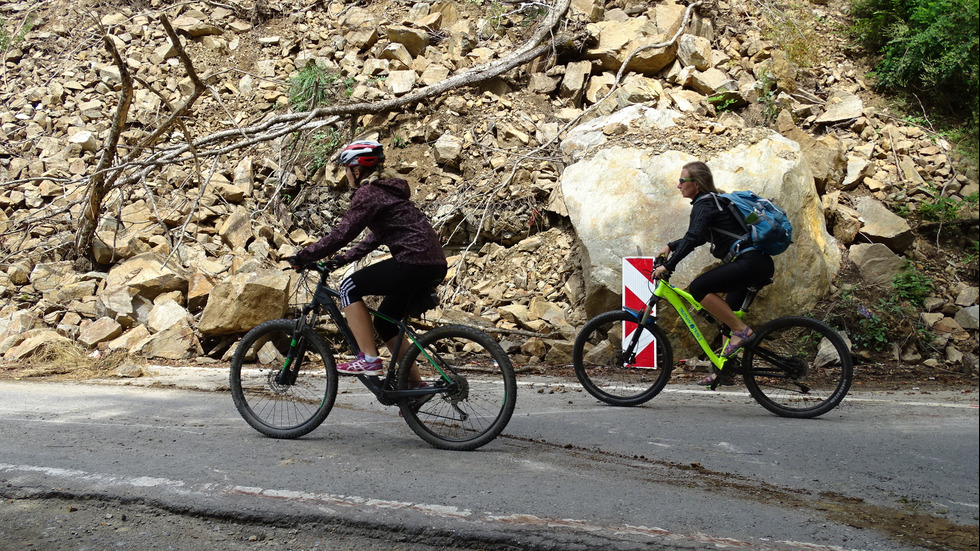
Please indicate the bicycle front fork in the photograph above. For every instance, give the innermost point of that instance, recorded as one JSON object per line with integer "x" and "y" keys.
{"x": 290, "y": 366}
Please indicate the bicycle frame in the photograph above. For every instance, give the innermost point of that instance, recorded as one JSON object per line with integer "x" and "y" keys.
{"x": 682, "y": 301}
{"x": 325, "y": 298}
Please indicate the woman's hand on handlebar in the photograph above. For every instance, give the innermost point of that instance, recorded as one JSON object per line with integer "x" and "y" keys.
{"x": 659, "y": 270}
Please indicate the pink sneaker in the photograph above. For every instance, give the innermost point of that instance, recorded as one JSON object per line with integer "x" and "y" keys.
{"x": 360, "y": 366}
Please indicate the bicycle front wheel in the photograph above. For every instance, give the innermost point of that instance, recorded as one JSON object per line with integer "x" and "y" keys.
{"x": 276, "y": 399}
{"x": 797, "y": 367}
{"x": 620, "y": 362}
{"x": 476, "y": 382}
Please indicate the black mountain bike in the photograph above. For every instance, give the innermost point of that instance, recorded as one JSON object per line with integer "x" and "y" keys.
{"x": 284, "y": 378}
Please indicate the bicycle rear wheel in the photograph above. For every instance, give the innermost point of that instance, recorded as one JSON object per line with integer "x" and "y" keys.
{"x": 620, "y": 362}
{"x": 476, "y": 382}
{"x": 797, "y": 367}
{"x": 277, "y": 406}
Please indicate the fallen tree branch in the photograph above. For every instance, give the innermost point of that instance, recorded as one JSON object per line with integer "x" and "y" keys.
{"x": 105, "y": 175}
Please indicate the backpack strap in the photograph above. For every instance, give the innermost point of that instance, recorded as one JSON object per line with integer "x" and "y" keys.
{"x": 736, "y": 247}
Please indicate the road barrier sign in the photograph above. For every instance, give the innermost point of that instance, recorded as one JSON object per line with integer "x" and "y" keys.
{"x": 637, "y": 289}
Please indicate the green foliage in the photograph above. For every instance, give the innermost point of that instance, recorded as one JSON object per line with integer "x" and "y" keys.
{"x": 941, "y": 209}
{"x": 723, "y": 102}
{"x": 973, "y": 253}
{"x": 872, "y": 332}
{"x": 928, "y": 48}
{"x": 8, "y": 38}
{"x": 768, "y": 98}
{"x": 912, "y": 286}
{"x": 5, "y": 39}
{"x": 793, "y": 27}
{"x": 531, "y": 13}
{"x": 876, "y": 323}
{"x": 495, "y": 19}
{"x": 944, "y": 209}
{"x": 312, "y": 87}
{"x": 925, "y": 44}
{"x": 322, "y": 146}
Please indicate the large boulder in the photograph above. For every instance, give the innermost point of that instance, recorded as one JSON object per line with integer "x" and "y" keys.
{"x": 876, "y": 263}
{"x": 244, "y": 301}
{"x": 617, "y": 39}
{"x": 177, "y": 342}
{"x": 625, "y": 202}
{"x": 881, "y": 225}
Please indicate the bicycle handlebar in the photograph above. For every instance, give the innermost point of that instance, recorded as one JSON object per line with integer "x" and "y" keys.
{"x": 324, "y": 267}
{"x": 658, "y": 262}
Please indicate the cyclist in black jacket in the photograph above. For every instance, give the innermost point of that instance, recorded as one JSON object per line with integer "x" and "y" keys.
{"x": 742, "y": 267}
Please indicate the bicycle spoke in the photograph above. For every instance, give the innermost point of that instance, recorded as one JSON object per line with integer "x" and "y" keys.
{"x": 797, "y": 367}
{"x": 476, "y": 386}
{"x": 619, "y": 362}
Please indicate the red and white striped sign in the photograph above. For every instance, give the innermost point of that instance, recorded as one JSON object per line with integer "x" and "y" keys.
{"x": 637, "y": 289}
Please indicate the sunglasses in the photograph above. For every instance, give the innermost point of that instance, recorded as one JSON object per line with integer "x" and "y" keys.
{"x": 687, "y": 180}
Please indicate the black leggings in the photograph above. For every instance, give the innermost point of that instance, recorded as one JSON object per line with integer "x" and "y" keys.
{"x": 749, "y": 269}
{"x": 397, "y": 282}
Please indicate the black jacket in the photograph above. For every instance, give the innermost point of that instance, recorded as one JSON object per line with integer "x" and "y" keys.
{"x": 708, "y": 212}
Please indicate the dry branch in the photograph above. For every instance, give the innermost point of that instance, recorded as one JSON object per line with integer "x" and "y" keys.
{"x": 103, "y": 179}
{"x": 139, "y": 164}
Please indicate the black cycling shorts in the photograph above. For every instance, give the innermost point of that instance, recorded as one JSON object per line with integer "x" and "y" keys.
{"x": 398, "y": 283}
{"x": 749, "y": 269}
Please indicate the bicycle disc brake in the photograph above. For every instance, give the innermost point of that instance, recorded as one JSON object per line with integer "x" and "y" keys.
{"x": 280, "y": 381}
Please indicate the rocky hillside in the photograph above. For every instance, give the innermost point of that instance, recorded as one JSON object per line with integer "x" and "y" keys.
{"x": 200, "y": 209}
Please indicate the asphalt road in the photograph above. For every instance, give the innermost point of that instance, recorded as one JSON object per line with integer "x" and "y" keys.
{"x": 691, "y": 469}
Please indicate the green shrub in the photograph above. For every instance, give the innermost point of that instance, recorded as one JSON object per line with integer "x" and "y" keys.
{"x": 972, "y": 253}
{"x": 8, "y": 38}
{"x": 874, "y": 323}
{"x": 793, "y": 26}
{"x": 925, "y": 45}
{"x": 871, "y": 332}
{"x": 928, "y": 48}
{"x": 941, "y": 209}
{"x": 312, "y": 87}
{"x": 912, "y": 286}
{"x": 322, "y": 146}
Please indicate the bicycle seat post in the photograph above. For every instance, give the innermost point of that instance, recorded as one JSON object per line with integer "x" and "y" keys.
{"x": 751, "y": 294}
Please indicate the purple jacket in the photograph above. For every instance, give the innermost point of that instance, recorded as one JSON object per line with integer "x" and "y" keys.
{"x": 384, "y": 208}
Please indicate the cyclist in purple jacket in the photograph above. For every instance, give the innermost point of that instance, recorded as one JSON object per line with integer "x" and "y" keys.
{"x": 417, "y": 264}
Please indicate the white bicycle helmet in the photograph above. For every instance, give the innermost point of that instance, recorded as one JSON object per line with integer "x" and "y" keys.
{"x": 364, "y": 153}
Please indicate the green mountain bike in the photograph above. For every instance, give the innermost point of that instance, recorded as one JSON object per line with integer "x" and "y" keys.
{"x": 794, "y": 366}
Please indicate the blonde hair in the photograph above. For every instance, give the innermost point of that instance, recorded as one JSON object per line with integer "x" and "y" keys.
{"x": 702, "y": 176}
{"x": 378, "y": 172}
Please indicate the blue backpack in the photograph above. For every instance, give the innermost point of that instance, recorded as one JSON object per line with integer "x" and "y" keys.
{"x": 766, "y": 226}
